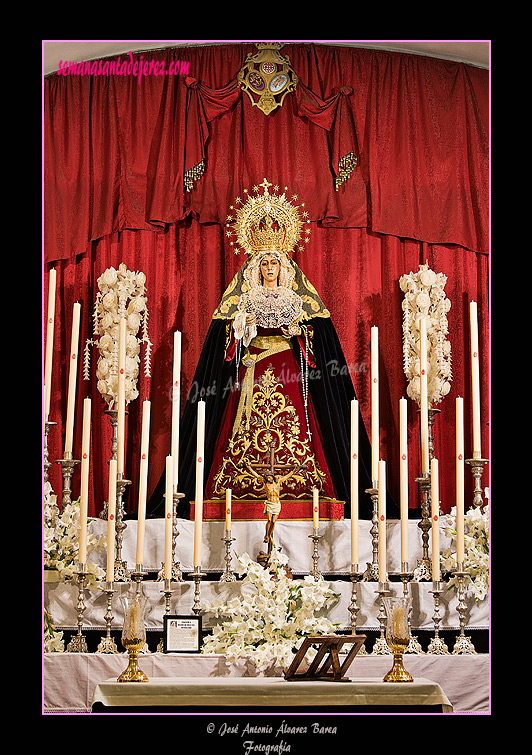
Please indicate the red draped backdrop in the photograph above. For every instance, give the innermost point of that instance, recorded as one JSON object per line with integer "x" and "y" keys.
{"x": 116, "y": 152}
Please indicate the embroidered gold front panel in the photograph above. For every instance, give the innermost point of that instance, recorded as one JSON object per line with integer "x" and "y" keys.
{"x": 273, "y": 418}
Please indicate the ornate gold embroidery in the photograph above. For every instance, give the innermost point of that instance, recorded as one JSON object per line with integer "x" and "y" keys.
{"x": 273, "y": 418}
{"x": 193, "y": 174}
{"x": 346, "y": 165}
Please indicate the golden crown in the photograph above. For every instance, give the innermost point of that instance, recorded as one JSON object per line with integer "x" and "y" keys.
{"x": 267, "y": 222}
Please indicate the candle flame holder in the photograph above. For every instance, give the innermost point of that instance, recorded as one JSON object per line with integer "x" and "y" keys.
{"x": 228, "y": 575}
{"x": 397, "y": 637}
{"x": 78, "y": 643}
{"x": 463, "y": 644}
{"x": 315, "y": 554}
{"x": 197, "y": 576}
{"x": 372, "y": 571}
{"x": 355, "y": 576}
{"x": 477, "y": 468}
{"x": 107, "y": 644}
{"x": 381, "y": 646}
{"x": 67, "y": 470}
{"x": 437, "y": 646}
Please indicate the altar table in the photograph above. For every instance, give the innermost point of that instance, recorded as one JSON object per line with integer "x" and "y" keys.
{"x": 268, "y": 693}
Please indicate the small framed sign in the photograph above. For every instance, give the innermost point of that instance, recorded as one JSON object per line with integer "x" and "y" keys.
{"x": 182, "y": 634}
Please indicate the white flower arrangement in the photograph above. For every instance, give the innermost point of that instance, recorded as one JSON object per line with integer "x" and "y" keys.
{"x": 272, "y": 616}
{"x": 122, "y": 293}
{"x": 61, "y": 540}
{"x": 425, "y": 298}
{"x": 476, "y": 549}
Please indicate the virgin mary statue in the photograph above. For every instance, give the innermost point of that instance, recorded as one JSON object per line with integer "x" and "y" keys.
{"x": 273, "y": 376}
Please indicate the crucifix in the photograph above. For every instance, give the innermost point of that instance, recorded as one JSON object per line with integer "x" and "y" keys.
{"x": 272, "y": 481}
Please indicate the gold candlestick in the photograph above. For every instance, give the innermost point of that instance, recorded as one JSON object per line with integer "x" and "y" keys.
{"x": 133, "y": 635}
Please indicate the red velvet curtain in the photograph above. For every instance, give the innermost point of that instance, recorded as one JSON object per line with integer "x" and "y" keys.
{"x": 115, "y": 156}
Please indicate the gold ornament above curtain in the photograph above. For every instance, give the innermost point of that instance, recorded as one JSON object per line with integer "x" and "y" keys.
{"x": 267, "y": 77}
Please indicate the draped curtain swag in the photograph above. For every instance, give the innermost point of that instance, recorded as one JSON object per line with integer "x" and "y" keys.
{"x": 388, "y": 151}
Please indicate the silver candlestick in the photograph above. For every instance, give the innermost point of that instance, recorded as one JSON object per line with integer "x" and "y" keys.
{"x": 228, "y": 575}
{"x": 477, "y": 468}
{"x": 177, "y": 574}
{"x": 167, "y": 591}
{"x": 196, "y": 576}
{"x": 67, "y": 470}
{"x": 121, "y": 571}
{"x": 381, "y": 646}
{"x": 355, "y": 576}
{"x": 372, "y": 571}
{"x": 437, "y": 646}
{"x": 406, "y": 577}
{"x": 463, "y": 644}
{"x": 47, "y": 463}
{"x": 315, "y": 554}
{"x": 78, "y": 643}
{"x": 107, "y": 644}
{"x": 424, "y": 565}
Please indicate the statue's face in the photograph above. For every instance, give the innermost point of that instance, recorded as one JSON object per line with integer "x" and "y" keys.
{"x": 269, "y": 267}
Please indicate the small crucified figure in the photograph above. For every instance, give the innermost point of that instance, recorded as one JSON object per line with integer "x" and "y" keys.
{"x": 272, "y": 507}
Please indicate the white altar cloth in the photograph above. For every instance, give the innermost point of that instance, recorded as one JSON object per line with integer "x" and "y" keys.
{"x": 242, "y": 692}
{"x": 70, "y": 679}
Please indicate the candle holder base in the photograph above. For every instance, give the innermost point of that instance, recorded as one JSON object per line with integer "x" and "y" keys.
{"x": 463, "y": 644}
{"x": 197, "y": 576}
{"x": 228, "y": 575}
{"x": 413, "y": 647}
{"x": 107, "y": 644}
{"x": 381, "y": 646}
{"x": 398, "y": 673}
{"x": 133, "y": 673}
{"x": 78, "y": 643}
{"x": 355, "y": 576}
{"x": 437, "y": 646}
{"x": 67, "y": 470}
{"x": 372, "y": 572}
{"x": 315, "y": 573}
{"x": 477, "y": 468}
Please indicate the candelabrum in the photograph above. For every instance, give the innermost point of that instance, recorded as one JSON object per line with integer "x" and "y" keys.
{"x": 424, "y": 565}
{"x": 121, "y": 571}
{"x": 477, "y": 468}
{"x": 406, "y": 577}
{"x": 67, "y": 470}
{"x": 381, "y": 646}
{"x": 78, "y": 644}
{"x": 107, "y": 644}
{"x": 372, "y": 571}
{"x": 197, "y": 574}
{"x": 437, "y": 646}
{"x": 355, "y": 576}
{"x": 463, "y": 644}
{"x": 167, "y": 591}
{"x": 47, "y": 463}
{"x": 315, "y": 554}
{"x": 228, "y": 575}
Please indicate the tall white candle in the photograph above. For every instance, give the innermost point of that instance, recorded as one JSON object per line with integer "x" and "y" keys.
{"x": 383, "y": 575}
{"x": 354, "y": 481}
{"x": 475, "y": 380}
{"x": 111, "y": 521}
{"x": 403, "y": 476}
{"x": 72, "y": 377}
{"x": 435, "y": 506}
{"x": 200, "y": 464}
{"x": 84, "y": 495}
{"x": 460, "y": 480}
{"x": 315, "y": 508}
{"x": 424, "y": 406}
{"x": 143, "y": 480}
{"x": 228, "y": 499}
{"x": 121, "y": 417}
{"x": 375, "y": 429}
{"x": 176, "y": 405}
{"x": 50, "y": 321}
{"x": 168, "y": 517}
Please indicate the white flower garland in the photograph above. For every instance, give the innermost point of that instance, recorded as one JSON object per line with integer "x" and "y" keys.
{"x": 476, "y": 549}
{"x": 272, "y": 616}
{"x": 122, "y": 294}
{"x": 425, "y": 298}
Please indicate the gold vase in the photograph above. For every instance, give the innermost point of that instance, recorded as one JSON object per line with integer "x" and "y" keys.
{"x": 397, "y": 637}
{"x": 133, "y": 635}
